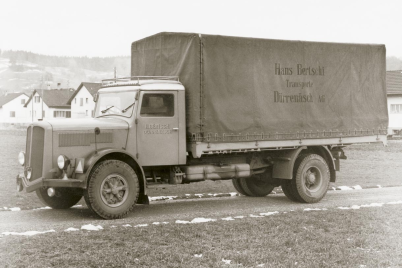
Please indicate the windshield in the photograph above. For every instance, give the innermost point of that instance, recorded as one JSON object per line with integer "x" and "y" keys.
{"x": 115, "y": 103}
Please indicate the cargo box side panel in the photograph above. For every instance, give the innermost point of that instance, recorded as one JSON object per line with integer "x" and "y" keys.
{"x": 172, "y": 54}
{"x": 285, "y": 88}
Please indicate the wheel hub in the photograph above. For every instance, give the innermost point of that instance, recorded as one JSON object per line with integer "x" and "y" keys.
{"x": 311, "y": 178}
{"x": 114, "y": 190}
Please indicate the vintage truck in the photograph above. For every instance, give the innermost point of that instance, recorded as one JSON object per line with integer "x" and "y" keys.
{"x": 262, "y": 113}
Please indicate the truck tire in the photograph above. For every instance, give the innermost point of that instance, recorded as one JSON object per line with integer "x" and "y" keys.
{"x": 311, "y": 178}
{"x": 63, "y": 199}
{"x": 112, "y": 190}
{"x": 237, "y": 186}
{"x": 256, "y": 186}
{"x": 287, "y": 189}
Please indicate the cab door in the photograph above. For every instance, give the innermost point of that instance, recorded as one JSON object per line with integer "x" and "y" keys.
{"x": 158, "y": 128}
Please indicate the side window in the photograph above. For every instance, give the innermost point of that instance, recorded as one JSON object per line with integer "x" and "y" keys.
{"x": 157, "y": 105}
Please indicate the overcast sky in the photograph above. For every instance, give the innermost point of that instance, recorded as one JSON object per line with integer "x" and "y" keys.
{"x": 107, "y": 28}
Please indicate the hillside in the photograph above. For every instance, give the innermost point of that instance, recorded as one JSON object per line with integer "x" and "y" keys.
{"x": 23, "y": 71}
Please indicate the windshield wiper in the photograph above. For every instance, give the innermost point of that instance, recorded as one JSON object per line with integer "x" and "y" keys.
{"x": 107, "y": 109}
{"x": 125, "y": 110}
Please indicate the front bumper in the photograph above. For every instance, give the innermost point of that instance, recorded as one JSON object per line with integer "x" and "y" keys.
{"x": 23, "y": 182}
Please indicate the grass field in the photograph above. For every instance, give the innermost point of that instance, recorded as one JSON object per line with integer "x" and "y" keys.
{"x": 367, "y": 165}
{"x": 367, "y": 237}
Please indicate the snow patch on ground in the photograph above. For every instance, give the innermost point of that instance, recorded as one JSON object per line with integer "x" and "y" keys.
{"x": 200, "y": 220}
{"x": 255, "y": 216}
{"x": 71, "y": 229}
{"x": 357, "y": 187}
{"x": 226, "y": 261}
{"x": 127, "y": 225}
{"x": 15, "y": 209}
{"x": 228, "y": 219}
{"x": 269, "y": 213}
{"x": 141, "y": 225}
{"x": 395, "y": 202}
{"x": 311, "y": 209}
{"x": 29, "y": 233}
{"x": 181, "y": 222}
{"x": 156, "y": 198}
{"x": 344, "y": 188}
{"x": 42, "y": 208}
{"x": 90, "y": 227}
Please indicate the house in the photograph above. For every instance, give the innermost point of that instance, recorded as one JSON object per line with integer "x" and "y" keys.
{"x": 394, "y": 96}
{"x": 12, "y": 108}
{"x": 82, "y": 104}
{"x": 49, "y": 104}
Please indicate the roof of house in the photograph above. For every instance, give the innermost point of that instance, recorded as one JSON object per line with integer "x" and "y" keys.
{"x": 93, "y": 88}
{"x": 9, "y": 97}
{"x": 54, "y": 98}
{"x": 394, "y": 82}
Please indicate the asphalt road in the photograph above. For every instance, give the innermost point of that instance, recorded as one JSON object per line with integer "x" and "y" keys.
{"x": 170, "y": 211}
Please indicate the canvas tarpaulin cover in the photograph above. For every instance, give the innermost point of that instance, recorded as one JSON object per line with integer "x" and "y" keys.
{"x": 247, "y": 88}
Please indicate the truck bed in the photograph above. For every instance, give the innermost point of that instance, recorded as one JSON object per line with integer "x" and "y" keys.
{"x": 277, "y": 92}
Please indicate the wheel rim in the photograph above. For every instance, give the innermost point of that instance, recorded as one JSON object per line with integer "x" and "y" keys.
{"x": 114, "y": 190}
{"x": 313, "y": 179}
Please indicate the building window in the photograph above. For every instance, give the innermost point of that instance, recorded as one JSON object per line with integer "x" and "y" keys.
{"x": 86, "y": 100}
{"x": 81, "y": 101}
{"x": 62, "y": 114}
{"x": 75, "y": 100}
{"x": 22, "y": 101}
{"x": 37, "y": 99}
{"x": 93, "y": 113}
{"x": 43, "y": 114}
{"x": 86, "y": 112}
{"x": 396, "y": 108}
{"x": 12, "y": 113}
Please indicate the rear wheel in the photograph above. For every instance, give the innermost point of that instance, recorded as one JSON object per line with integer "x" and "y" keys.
{"x": 64, "y": 198}
{"x": 311, "y": 178}
{"x": 113, "y": 189}
{"x": 237, "y": 186}
{"x": 256, "y": 186}
{"x": 286, "y": 186}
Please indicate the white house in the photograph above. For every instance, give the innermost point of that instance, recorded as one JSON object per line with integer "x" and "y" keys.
{"x": 12, "y": 108}
{"x": 49, "y": 104}
{"x": 82, "y": 104}
{"x": 394, "y": 96}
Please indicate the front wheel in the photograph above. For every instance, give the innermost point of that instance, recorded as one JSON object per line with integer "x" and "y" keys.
{"x": 311, "y": 178}
{"x": 113, "y": 189}
{"x": 64, "y": 198}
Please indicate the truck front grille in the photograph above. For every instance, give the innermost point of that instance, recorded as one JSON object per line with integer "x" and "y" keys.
{"x": 34, "y": 150}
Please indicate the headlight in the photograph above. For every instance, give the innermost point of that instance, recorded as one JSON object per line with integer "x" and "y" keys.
{"x": 21, "y": 158}
{"x": 62, "y": 161}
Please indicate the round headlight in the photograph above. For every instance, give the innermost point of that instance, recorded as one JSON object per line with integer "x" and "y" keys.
{"x": 62, "y": 162}
{"x": 21, "y": 158}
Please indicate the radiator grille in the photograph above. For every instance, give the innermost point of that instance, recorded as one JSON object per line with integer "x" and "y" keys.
{"x": 35, "y": 149}
{"x": 28, "y": 146}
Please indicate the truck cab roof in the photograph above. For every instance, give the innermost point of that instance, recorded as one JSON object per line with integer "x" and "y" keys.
{"x": 142, "y": 83}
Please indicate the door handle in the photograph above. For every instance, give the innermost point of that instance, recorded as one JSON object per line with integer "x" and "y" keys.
{"x": 175, "y": 128}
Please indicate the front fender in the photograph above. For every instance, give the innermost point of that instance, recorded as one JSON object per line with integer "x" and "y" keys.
{"x": 111, "y": 153}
